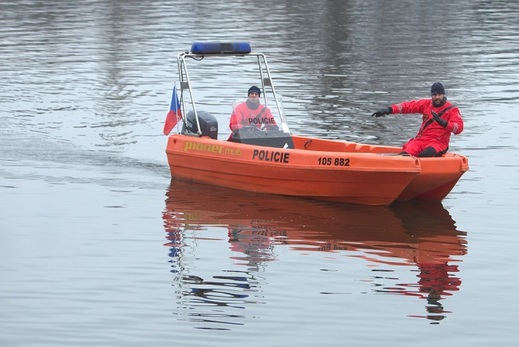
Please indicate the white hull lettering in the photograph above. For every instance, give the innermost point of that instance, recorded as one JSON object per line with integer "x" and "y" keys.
{"x": 274, "y": 156}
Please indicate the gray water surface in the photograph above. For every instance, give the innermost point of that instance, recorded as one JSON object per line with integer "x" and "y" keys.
{"x": 98, "y": 247}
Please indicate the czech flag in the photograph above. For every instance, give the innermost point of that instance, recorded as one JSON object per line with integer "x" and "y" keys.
{"x": 174, "y": 113}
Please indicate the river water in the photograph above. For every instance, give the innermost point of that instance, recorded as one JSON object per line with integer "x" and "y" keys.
{"x": 98, "y": 247}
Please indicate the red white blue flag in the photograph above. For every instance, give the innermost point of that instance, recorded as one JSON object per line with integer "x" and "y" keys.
{"x": 174, "y": 113}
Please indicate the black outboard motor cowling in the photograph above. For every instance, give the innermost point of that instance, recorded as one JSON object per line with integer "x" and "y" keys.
{"x": 208, "y": 124}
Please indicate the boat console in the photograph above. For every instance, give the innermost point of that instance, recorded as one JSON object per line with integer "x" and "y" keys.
{"x": 269, "y": 138}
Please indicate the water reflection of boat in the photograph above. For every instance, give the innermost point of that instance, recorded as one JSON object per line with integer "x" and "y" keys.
{"x": 417, "y": 234}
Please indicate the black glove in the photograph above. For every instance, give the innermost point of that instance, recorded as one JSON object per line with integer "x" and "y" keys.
{"x": 382, "y": 112}
{"x": 439, "y": 120}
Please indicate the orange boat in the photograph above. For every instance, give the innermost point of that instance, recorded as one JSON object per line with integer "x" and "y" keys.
{"x": 275, "y": 161}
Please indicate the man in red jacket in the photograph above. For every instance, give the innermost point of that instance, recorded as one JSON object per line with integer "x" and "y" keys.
{"x": 252, "y": 113}
{"x": 440, "y": 118}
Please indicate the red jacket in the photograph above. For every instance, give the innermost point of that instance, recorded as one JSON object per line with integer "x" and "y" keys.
{"x": 243, "y": 116}
{"x": 430, "y": 129}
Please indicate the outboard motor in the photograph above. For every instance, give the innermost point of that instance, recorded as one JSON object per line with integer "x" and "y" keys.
{"x": 208, "y": 124}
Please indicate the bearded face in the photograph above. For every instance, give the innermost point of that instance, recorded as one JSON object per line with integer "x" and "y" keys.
{"x": 438, "y": 99}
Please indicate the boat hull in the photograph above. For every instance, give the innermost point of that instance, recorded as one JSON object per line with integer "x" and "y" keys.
{"x": 342, "y": 176}
{"x": 436, "y": 179}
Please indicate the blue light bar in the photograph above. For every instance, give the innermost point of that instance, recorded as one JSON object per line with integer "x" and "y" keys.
{"x": 220, "y": 48}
